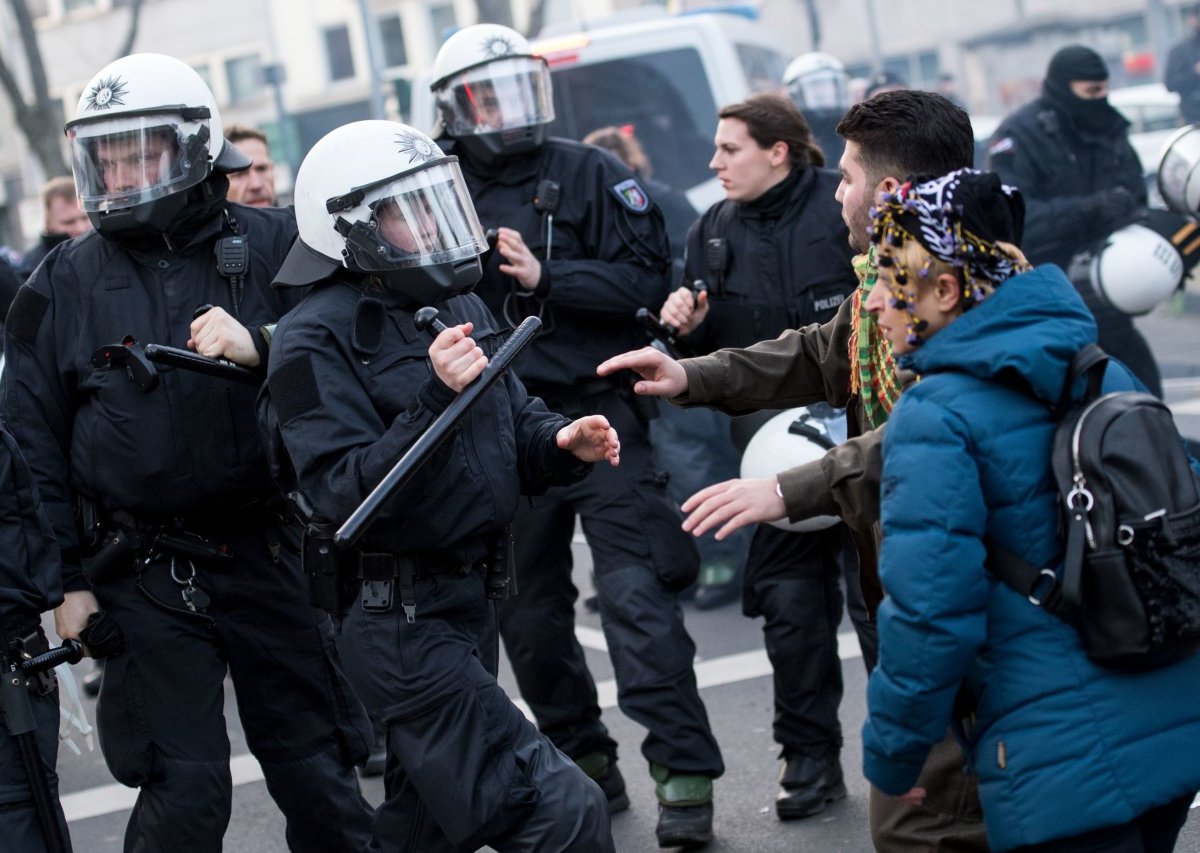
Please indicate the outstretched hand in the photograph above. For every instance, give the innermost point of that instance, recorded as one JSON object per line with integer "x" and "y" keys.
{"x": 732, "y": 504}
{"x": 591, "y": 439}
{"x": 456, "y": 358}
{"x": 662, "y": 376}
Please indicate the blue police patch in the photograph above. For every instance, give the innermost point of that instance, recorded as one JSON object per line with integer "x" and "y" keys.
{"x": 630, "y": 193}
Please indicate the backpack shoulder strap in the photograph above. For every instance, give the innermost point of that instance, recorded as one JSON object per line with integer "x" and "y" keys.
{"x": 1040, "y": 586}
{"x": 1090, "y": 361}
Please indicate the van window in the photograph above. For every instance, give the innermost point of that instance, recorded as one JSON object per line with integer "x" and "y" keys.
{"x": 664, "y": 97}
{"x": 764, "y": 67}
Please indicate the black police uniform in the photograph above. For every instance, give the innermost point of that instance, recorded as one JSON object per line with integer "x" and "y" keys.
{"x": 351, "y": 390}
{"x": 30, "y": 583}
{"x": 1078, "y": 187}
{"x": 783, "y": 261}
{"x": 607, "y": 258}
{"x": 185, "y": 458}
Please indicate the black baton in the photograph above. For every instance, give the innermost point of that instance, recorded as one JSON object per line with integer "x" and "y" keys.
{"x": 432, "y": 438}
{"x": 188, "y": 360}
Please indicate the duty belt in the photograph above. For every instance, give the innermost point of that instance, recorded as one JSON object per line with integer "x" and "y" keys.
{"x": 381, "y": 572}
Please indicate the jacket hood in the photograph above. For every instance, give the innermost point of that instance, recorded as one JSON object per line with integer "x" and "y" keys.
{"x": 1030, "y": 328}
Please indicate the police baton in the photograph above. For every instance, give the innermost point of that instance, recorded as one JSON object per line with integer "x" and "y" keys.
{"x": 22, "y": 725}
{"x": 439, "y": 430}
{"x": 186, "y": 359}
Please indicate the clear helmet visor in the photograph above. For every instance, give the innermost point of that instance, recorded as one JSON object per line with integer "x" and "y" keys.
{"x": 825, "y": 89}
{"x": 505, "y": 94}
{"x": 133, "y": 159}
{"x": 418, "y": 219}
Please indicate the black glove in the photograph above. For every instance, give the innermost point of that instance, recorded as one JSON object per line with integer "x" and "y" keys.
{"x": 1114, "y": 208}
{"x": 102, "y": 636}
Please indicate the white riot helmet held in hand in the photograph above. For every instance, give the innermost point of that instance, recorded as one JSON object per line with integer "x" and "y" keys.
{"x": 817, "y": 81}
{"x": 1138, "y": 266}
{"x": 145, "y": 131}
{"x": 492, "y": 93}
{"x": 381, "y": 199}
{"x": 791, "y": 438}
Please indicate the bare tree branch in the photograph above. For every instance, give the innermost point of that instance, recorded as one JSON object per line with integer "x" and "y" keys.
{"x": 135, "y": 15}
{"x": 38, "y": 114}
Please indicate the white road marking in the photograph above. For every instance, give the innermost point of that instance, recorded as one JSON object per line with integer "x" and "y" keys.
{"x": 728, "y": 669}
{"x": 1188, "y": 407}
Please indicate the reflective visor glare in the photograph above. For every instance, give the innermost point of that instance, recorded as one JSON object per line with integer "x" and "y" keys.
{"x": 501, "y": 96}
{"x": 136, "y": 162}
{"x": 433, "y": 223}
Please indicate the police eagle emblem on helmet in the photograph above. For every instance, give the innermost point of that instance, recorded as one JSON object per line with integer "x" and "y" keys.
{"x": 416, "y": 148}
{"x": 108, "y": 92}
{"x": 495, "y": 47}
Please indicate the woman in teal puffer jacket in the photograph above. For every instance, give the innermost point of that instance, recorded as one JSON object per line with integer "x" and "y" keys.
{"x": 1070, "y": 756}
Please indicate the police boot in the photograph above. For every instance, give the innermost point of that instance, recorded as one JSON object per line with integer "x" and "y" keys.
{"x": 601, "y": 768}
{"x": 808, "y": 785}
{"x": 719, "y": 584}
{"x": 685, "y": 808}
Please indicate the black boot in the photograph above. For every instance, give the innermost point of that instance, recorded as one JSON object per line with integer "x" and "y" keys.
{"x": 685, "y": 809}
{"x": 602, "y": 769}
{"x": 808, "y": 785}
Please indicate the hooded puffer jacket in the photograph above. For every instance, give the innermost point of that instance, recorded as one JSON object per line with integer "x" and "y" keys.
{"x": 1061, "y": 745}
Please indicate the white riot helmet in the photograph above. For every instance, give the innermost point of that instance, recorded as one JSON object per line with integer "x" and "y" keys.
{"x": 1138, "y": 266}
{"x": 817, "y": 81}
{"x": 380, "y": 198}
{"x": 492, "y": 93}
{"x": 1179, "y": 171}
{"x": 792, "y": 438}
{"x": 146, "y": 129}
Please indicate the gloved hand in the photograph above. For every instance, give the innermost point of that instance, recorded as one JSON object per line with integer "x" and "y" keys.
{"x": 1114, "y": 207}
{"x": 102, "y": 636}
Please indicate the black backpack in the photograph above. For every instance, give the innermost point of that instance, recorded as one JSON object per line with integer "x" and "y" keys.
{"x": 1130, "y": 580}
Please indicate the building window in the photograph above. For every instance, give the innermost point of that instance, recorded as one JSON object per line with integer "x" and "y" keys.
{"x": 245, "y": 78}
{"x": 338, "y": 54}
{"x": 38, "y": 8}
{"x": 75, "y": 5}
{"x": 443, "y": 20}
{"x": 391, "y": 37}
{"x": 205, "y": 73}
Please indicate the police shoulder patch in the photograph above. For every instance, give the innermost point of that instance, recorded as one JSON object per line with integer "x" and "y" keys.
{"x": 630, "y": 193}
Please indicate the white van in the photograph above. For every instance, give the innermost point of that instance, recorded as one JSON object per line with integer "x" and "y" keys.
{"x": 665, "y": 76}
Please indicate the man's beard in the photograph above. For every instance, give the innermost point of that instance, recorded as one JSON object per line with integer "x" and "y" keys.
{"x": 860, "y": 222}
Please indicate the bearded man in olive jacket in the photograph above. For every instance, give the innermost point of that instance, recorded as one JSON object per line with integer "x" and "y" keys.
{"x": 847, "y": 363}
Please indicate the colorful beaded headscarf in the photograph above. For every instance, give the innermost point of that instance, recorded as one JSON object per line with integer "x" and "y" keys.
{"x": 960, "y": 219}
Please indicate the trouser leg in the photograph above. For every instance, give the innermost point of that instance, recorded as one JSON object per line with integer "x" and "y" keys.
{"x": 160, "y": 718}
{"x": 538, "y": 628}
{"x": 795, "y": 585}
{"x": 21, "y": 829}
{"x": 301, "y": 719}
{"x": 465, "y": 767}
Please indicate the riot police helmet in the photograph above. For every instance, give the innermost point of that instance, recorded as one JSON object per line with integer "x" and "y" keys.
{"x": 380, "y": 199}
{"x": 1138, "y": 266}
{"x": 492, "y": 93}
{"x": 791, "y": 438}
{"x": 145, "y": 131}
{"x": 817, "y": 82}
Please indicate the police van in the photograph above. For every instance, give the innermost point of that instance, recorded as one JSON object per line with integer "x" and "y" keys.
{"x": 664, "y": 76}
